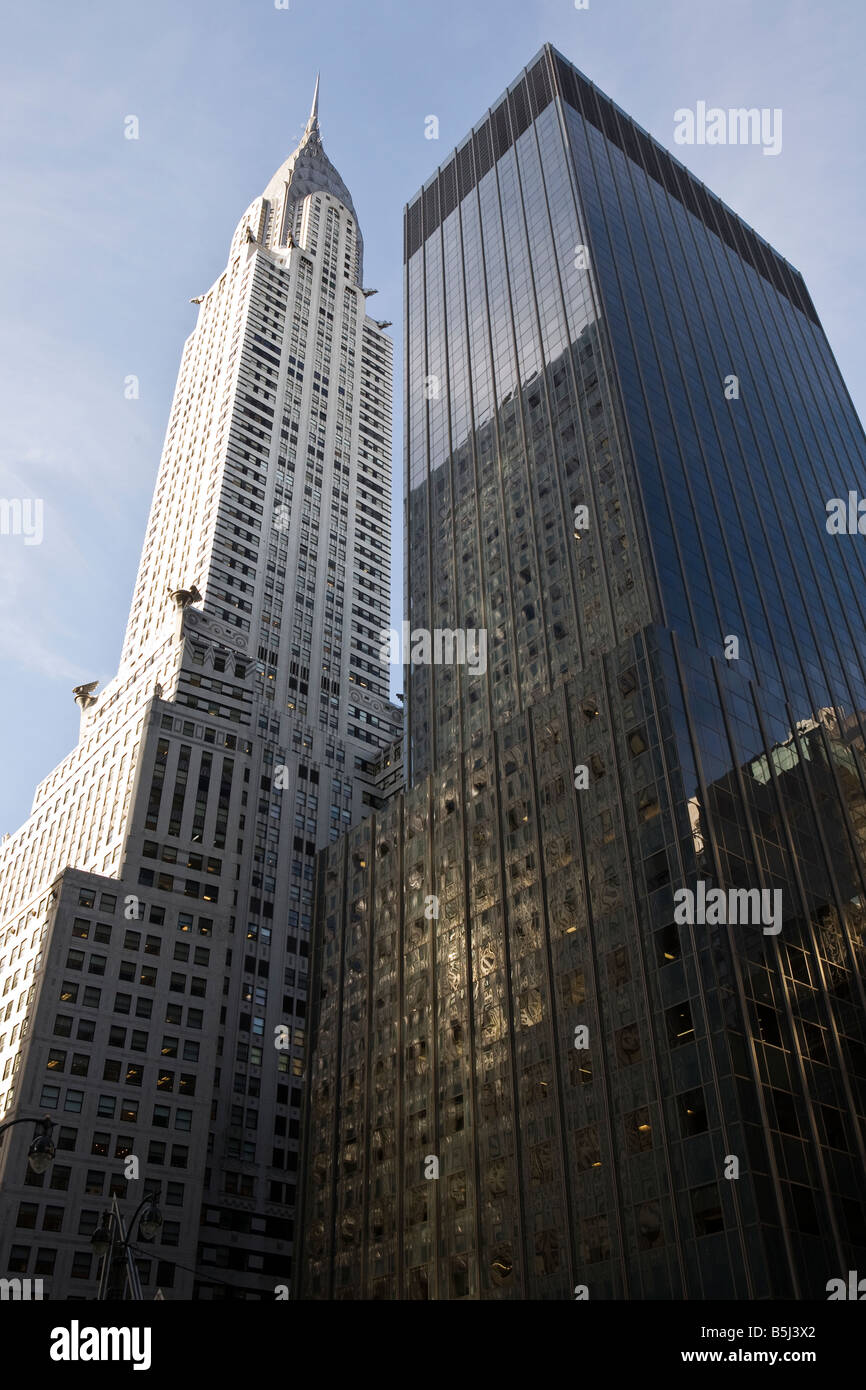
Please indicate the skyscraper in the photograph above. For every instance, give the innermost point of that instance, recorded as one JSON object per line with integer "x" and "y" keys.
{"x": 591, "y": 1018}
{"x": 157, "y": 902}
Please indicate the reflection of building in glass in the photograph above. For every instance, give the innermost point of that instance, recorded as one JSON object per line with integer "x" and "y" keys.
{"x": 525, "y": 1077}
{"x": 385, "y": 776}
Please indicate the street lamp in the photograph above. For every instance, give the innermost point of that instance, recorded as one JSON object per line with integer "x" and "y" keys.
{"x": 111, "y": 1243}
{"x": 41, "y": 1151}
{"x": 150, "y": 1223}
{"x": 103, "y": 1237}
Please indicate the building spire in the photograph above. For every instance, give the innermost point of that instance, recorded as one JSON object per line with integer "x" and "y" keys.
{"x": 307, "y": 170}
{"x": 313, "y": 122}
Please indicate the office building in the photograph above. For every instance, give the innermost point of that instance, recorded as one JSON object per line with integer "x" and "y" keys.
{"x": 589, "y": 1015}
{"x": 154, "y": 947}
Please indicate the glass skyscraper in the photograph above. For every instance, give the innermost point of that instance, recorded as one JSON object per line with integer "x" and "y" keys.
{"x": 590, "y": 994}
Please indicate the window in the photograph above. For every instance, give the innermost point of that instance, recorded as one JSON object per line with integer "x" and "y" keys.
{"x": 148, "y": 976}
{"x": 100, "y": 1144}
{"x": 240, "y": 1185}
{"x": 179, "y": 1155}
{"x": 637, "y": 741}
{"x": 707, "y": 1210}
{"x": 161, "y": 1116}
{"x": 80, "y": 1064}
{"x": 75, "y": 960}
{"x": 86, "y": 1029}
{"x": 638, "y": 1131}
{"x": 81, "y": 1265}
{"x": 165, "y": 1080}
{"x": 81, "y": 928}
{"x": 74, "y": 1101}
{"x": 627, "y": 1045}
{"x": 143, "y": 1007}
{"x": 194, "y": 1018}
{"x": 667, "y": 944}
{"x": 68, "y": 992}
{"x": 129, "y": 1111}
{"x": 111, "y": 1070}
{"x": 106, "y": 1106}
{"x": 66, "y": 1139}
{"x": 26, "y": 1217}
{"x": 63, "y": 1025}
{"x": 156, "y": 1151}
{"x": 60, "y": 1176}
{"x": 679, "y": 1024}
{"x": 132, "y": 941}
{"x": 96, "y": 965}
{"x": 187, "y": 1084}
{"x": 134, "y": 1074}
{"x": 190, "y": 1051}
{"x": 52, "y": 1218}
{"x": 138, "y": 1041}
{"x": 693, "y": 1112}
{"x": 92, "y": 996}
{"x": 44, "y": 1263}
{"x": 183, "y": 1119}
{"x": 94, "y": 1183}
{"x": 169, "y": 1047}
{"x": 49, "y": 1097}
{"x": 122, "y": 1004}
{"x": 102, "y": 933}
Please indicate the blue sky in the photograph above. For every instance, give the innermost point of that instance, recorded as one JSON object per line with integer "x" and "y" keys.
{"x": 104, "y": 240}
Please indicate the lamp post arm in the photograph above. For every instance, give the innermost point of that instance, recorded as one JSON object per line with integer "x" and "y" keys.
{"x": 148, "y": 1197}
{"x": 44, "y": 1120}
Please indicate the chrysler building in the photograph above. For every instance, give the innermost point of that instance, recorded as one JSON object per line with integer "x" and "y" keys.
{"x": 154, "y": 942}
